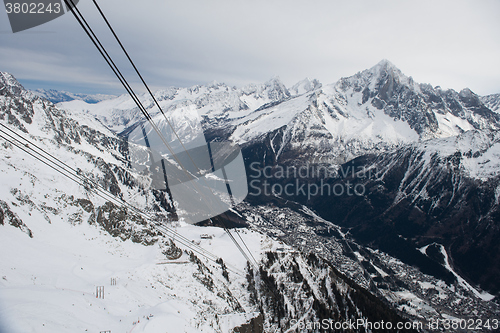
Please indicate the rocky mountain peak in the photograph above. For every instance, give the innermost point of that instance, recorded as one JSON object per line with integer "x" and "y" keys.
{"x": 9, "y": 85}
{"x": 381, "y": 78}
{"x": 470, "y": 98}
{"x": 273, "y": 90}
{"x": 431, "y": 112}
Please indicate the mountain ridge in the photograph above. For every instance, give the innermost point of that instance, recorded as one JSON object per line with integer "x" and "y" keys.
{"x": 378, "y": 108}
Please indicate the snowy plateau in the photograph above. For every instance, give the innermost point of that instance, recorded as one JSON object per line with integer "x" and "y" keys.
{"x": 419, "y": 245}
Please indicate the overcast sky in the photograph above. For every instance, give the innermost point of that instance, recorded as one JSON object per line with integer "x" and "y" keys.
{"x": 454, "y": 44}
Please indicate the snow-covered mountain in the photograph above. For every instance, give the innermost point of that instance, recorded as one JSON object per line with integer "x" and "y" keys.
{"x": 433, "y": 188}
{"x": 430, "y": 112}
{"x": 56, "y": 96}
{"x": 373, "y": 111}
{"x": 74, "y": 261}
{"x": 85, "y": 146}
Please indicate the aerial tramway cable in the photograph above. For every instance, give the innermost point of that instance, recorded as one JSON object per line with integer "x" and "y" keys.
{"x": 166, "y": 118}
{"x": 90, "y": 33}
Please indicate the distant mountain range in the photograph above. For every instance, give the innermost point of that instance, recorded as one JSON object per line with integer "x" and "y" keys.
{"x": 376, "y": 109}
{"x": 57, "y": 96}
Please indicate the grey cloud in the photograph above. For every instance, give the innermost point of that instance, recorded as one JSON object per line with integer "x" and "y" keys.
{"x": 449, "y": 43}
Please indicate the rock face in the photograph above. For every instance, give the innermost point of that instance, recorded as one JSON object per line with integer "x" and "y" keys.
{"x": 289, "y": 284}
{"x": 421, "y": 195}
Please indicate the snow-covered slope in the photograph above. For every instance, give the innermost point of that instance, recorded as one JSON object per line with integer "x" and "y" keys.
{"x": 116, "y": 114}
{"x": 477, "y": 152}
{"x": 49, "y": 282}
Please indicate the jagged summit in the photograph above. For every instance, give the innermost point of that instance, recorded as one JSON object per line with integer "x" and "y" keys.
{"x": 383, "y": 67}
{"x": 273, "y": 89}
{"x": 375, "y": 78}
{"x": 276, "y": 84}
{"x": 431, "y": 112}
{"x": 9, "y": 84}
